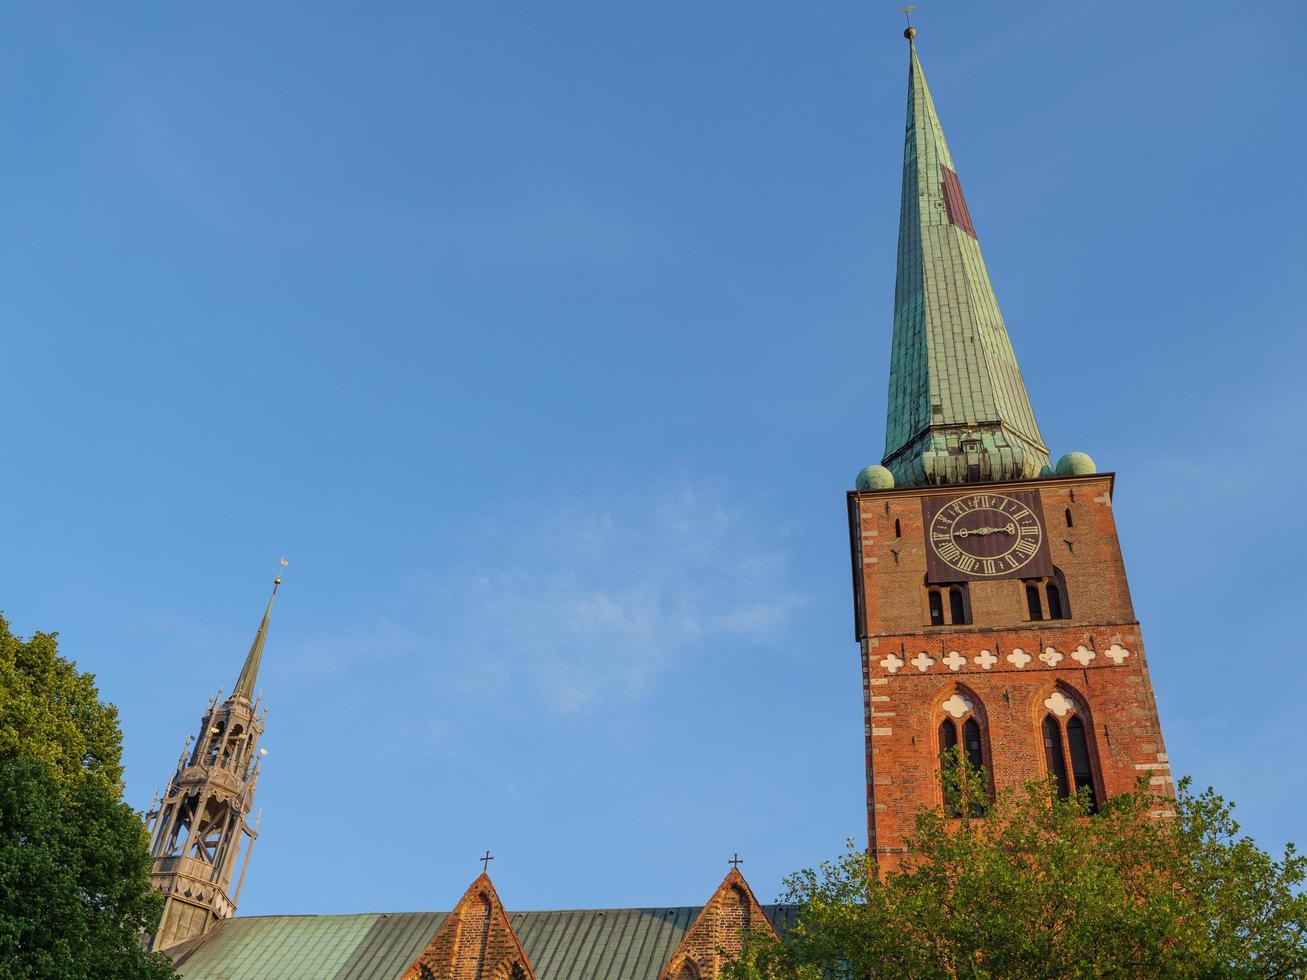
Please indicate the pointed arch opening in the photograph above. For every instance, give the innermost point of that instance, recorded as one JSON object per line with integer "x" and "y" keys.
{"x": 962, "y": 735}
{"x": 1070, "y": 758}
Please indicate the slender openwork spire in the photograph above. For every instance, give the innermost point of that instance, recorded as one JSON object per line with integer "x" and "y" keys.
{"x": 958, "y": 408}
{"x": 250, "y": 672}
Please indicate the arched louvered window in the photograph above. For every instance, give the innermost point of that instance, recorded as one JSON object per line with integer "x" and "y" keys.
{"x": 1033, "y": 606}
{"x": 1046, "y": 598}
{"x": 957, "y": 605}
{"x": 948, "y": 604}
{"x": 1054, "y": 601}
{"x": 936, "y": 602}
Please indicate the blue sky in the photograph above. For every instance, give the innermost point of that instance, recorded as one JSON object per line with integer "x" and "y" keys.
{"x": 544, "y": 340}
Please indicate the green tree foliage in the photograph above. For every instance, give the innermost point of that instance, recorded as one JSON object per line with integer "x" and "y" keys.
{"x": 52, "y": 713}
{"x": 1031, "y": 886}
{"x": 74, "y": 866}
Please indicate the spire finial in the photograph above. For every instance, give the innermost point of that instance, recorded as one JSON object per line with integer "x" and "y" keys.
{"x": 485, "y": 860}
{"x": 911, "y": 32}
{"x": 245, "y": 683}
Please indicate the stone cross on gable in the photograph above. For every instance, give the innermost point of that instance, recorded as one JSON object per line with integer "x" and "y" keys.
{"x": 736, "y": 861}
{"x": 485, "y": 860}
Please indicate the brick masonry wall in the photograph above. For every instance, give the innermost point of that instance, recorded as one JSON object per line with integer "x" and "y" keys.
{"x": 475, "y": 942}
{"x": 719, "y": 926}
{"x": 1002, "y": 663}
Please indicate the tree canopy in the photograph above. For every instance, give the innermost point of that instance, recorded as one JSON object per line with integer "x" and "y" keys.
{"x": 1029, "y": 885}
{"x": 51, "y": 712}
{"x": 74, "y": 866}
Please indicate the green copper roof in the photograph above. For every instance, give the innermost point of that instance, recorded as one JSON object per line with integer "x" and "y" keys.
{"x": 250, "y": 671}
{"x": 958, "y": 408}
{"x": 584, "y": 944}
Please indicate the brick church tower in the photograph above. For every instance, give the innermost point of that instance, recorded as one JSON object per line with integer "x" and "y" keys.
{"x": 990, "y": 597}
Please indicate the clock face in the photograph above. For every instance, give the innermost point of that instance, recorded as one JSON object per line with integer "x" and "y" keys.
{"x": 985, "y": 535}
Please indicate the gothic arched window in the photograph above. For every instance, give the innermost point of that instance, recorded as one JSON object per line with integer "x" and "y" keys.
{"x": 1068, "y": 752}
{"x": 962, "y": 728}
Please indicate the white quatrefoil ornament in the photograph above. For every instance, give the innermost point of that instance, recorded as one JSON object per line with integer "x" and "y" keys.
{"x": 957, "y": 705}
{"x": 1019, "y": 658}
{"x": 954, "y": 660}
{"x": 1082, "y": 655}
{"x": 892, "y": 663}
{"x": 1051, "y": 657}
{"x": 985, "y": 659}
{"x": 1059, "y": 704}
{"x": 1116, "y": 653}
{"x": 923, "y": 662}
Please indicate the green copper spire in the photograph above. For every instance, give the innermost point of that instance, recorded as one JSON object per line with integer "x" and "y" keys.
{"x": 250, "y": 672}
{"x": 958, "y": 409}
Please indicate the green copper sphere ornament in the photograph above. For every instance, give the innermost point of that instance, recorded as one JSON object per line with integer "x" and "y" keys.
{"x": 1075, "y": 464}
{"x": 875, "y": 478}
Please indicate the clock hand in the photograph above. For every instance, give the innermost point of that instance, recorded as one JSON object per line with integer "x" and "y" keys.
{"x": 966, "y": 532}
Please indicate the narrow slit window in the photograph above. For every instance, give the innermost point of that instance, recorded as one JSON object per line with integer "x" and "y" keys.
{"x": 956, "y": 606}
{"x": 948, "y": 739}
{"x": 948, "y": 735}
{"x": 898, "y": 528}
{"x": 971, "y": 743}
{"x": 1069, "y": 521}
{"x": 1054, "y": 601}
{"x": 1081, "y": 769}
{"x": 1054, "y": 756}
{"x": 1032, "y": 602}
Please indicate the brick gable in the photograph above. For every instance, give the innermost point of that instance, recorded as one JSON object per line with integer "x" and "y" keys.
{"x": 719, "y": 927}
{"x": 476, "y": 942}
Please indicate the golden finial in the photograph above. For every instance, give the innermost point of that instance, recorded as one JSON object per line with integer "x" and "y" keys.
{"x": 277, "y": 581}
{"x": 911, "y": 32}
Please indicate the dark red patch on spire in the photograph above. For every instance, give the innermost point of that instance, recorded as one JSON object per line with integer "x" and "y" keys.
{"x": 955, "y": 202}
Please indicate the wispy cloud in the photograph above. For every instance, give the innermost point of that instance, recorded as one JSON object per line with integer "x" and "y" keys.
{"x": 593, "y": 598}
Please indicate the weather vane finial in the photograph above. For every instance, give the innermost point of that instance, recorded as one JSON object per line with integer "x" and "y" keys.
{"x": 911, "y": 32}
{"x": 277, "y": 581}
